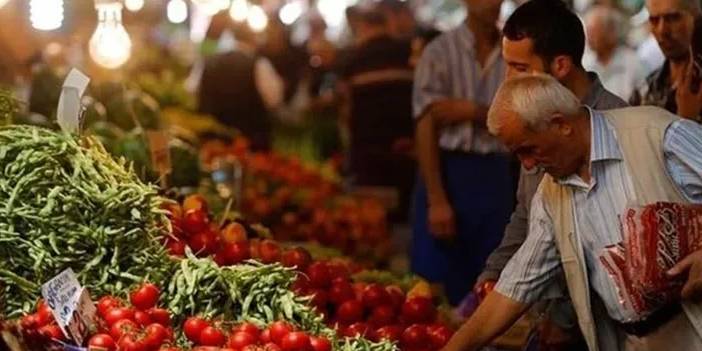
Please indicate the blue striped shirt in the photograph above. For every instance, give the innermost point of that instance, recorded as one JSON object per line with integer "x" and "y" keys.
{"x": 597, "y": 208}
{"x": 449, "y": 69}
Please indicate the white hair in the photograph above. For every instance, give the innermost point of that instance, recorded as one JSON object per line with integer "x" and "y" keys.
{"x": 535, "y": 98}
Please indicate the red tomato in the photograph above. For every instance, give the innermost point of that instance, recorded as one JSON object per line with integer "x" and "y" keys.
{"x": 195, "y": 202}
{"x": 176, "y": 247}
{"x": 301, "y": 284}
{"x": 339, "y": 271}
{"x": 233, "y": 233}
{"x": 241, "y": 339}
{"x": 296, "y": 341}
{"x": 278, "y": 330}
{"x": 211, "y": 336}
{"x": 375, "y": 295}
{"x": 160, "y": 316}
{"x": 298, "y": 258}
{"x": 382, "y": 315}
{"x": 44, "y": 315}
{"x": 318, "y": 272}
{"x": 155, "y": 335}
{"x": 52, "y": 331}
{"x": 193, "y": 327}
{"x": 105, "y": 304}
{"x": 439, "y": 335}
{"x": 234, "y": 253}
{"x": 340, "y": 292}
{"x": 122, "y": 327}
{"x": 195, "y": 221}
{"x": 203, "y": 243}
{"x": 117, "y": 313}
{"x": 357, "y": 329}
{"x": 265, "y": 336}
{"x": 142, "y": 318}
{"x": 397, "y": 295}
{"x": 350, "y": 311}
{"x": 248, "y": 328}
{"x": 319, "y": 298}
{"x": 30, "y": 321}
{"x": 415, "y": 336}
{"x": 419, "y": 310}
{"x": 271, "y": 347}
{"x": 320, "y": 343}
{"x": 145, "y": 296}
{"x": 390, "y": 332}
{"x": 103, "y": 341}
{"x": 269, "y": 251}
{"x": 132, "y": 343}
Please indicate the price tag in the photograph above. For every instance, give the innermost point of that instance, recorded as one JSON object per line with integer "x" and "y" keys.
{"x": 68, "y": 114}
{"x": 160, "y": 154}
{"x": 70, "y": 304}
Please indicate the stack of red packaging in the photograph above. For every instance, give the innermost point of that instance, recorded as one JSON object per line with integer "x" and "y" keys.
{"x": 656, "y": 237}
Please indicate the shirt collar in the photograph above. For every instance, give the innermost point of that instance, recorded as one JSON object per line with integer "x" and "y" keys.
{"x": 603, "y": 141}
{"x": 594, "y": 95}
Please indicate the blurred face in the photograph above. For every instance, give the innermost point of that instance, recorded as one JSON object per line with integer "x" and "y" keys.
{"x": 486, "y": 11}
{"x": 672, "y": 26}
{"x": 520, "y": 57}
{"x": 599, "y": 37}
{"x": 551, "y": 149}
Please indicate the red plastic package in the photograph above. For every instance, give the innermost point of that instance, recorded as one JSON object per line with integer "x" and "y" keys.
{"x": 656, "y": 237}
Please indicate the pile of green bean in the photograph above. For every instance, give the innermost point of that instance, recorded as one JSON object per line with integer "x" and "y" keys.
{"x": 252, "y": 292}
{"x": 64, "y": 202}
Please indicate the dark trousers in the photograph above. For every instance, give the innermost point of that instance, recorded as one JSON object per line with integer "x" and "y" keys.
{"x": 481, "y": 192}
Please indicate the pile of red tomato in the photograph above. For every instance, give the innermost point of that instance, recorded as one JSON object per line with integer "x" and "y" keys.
{"x": 371, "y": 310}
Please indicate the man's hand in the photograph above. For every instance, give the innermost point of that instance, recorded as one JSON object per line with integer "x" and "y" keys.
{"x": 442, "y": 221}
{"x": 452, "y": 111}
{"x": 692, "y": 264}
{"x": 689, "y": 104}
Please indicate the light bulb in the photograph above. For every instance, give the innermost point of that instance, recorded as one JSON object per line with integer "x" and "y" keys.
{"x": 239, "y": 10}
{"x": 110, "y": 46}
{"x": 257, "y": 19}
{"x": 177, "y": 11}
{"x": 3, "y": 3}
{"x": 134, "y": 5}
{"x": 291, "y": 12}
{"x": 333, "y": 11}
{"x": 46, "y": 14}
{"x": 212, "y": 7}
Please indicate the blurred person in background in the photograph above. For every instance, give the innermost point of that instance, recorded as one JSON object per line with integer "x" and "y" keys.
{"x": 421, "y": 39}
{"x": 672, "y": 23}
{"x": 378, "y": 81}
{"x": 400, "y": 18}
{"x": 241, "y": 88}
{"x": 465, "y": 194}
{"x": 617, "y": 65}
{"x": 288, "y": 60}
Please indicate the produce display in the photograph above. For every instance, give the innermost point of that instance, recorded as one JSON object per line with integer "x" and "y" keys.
{"x": 64, "y": 202}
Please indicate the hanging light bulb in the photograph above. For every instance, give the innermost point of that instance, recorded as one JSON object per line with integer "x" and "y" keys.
{"x": 212, "y": 7}
{"x": 46, "y": 14}
{"x": 257, "y": 19}
{"x": 239, "y": 10}
{"x": 110, "y": 46}
{"x": 291, "y": 12}
{"x": 134, "y": 5}
{"x": 177, "y": 11}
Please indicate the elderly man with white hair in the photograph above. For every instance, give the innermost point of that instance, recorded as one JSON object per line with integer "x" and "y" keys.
{"x": 597, "y": 164}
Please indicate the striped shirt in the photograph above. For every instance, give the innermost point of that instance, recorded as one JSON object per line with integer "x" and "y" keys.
{"x": 597, "y": 208}
{"x": 449, "y": 69}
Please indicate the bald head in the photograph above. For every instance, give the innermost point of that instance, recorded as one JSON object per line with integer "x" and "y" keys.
{"x": 605, "y": 28}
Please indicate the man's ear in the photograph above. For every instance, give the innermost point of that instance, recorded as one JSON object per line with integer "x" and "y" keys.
{"x": 561, "y": 66}
{"x": 561, "y": 125}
